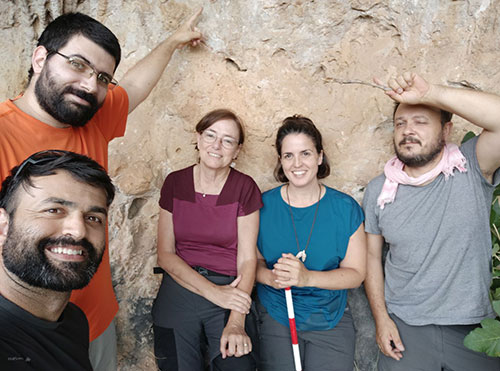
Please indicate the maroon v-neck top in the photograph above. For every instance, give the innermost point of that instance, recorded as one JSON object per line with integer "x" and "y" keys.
{"x": 205, "y": 228}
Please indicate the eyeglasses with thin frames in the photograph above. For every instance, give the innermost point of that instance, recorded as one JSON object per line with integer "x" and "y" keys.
{"x": 83, "y": 67}
{"x": 210, "y": 137}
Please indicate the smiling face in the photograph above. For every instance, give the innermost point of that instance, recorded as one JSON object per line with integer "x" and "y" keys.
{"x": 56, "y": 235}
{"x": 419, "y": 137}
{"x": 64, "y": 92}
{"x": 218, "y": 144}
{"x": 300, "y": 159}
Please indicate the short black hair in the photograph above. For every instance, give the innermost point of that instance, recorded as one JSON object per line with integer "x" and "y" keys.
{"x": 445, "y": 115}
{"x": 60, "y": 30}
{"x": 44, "y": 163}
{"x": 297, "y": 124}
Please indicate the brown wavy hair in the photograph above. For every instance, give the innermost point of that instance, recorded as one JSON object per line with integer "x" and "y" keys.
{"x": 297, "y": 124}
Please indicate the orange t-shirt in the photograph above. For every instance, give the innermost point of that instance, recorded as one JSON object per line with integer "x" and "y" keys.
{"x": 22, "y": 135}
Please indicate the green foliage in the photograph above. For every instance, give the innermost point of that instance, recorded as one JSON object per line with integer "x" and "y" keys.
{"x": 486, "y": 339}
{"x": 468, "y": 136}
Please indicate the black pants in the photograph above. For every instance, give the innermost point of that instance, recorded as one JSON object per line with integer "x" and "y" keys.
{"x": 187, "y": 336}
{"x": 166, "y": 355}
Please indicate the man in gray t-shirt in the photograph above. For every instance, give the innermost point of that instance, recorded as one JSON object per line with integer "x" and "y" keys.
{"x": 432, "y": 207}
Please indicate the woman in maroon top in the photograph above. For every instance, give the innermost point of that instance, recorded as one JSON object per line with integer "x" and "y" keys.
{"x": 207, "y": 233}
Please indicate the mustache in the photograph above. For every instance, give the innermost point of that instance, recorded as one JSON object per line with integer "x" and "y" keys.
{"x": 67, "y": 241}
{"x": 410, "y": 140}
{"x": 81, "y": 94}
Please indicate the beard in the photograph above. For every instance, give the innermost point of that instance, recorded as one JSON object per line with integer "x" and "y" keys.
{"x": 51, "y": 97}
{"x": 24, "y": 255}
{"x": 421, "y": 159}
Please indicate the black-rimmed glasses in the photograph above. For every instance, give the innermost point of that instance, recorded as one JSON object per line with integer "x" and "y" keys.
{"x": 80, "y": 65}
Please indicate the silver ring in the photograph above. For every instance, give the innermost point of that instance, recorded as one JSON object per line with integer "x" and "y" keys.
{"x": 245, "y": 345}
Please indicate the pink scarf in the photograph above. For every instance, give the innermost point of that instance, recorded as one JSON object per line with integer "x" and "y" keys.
{"x": 393, "y": 170}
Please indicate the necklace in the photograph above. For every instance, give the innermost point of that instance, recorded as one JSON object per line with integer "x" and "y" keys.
{"x": 302, "y": 253}
{"x": 203, "y": 193}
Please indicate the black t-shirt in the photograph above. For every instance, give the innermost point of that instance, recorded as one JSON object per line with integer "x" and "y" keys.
{"x": 31, "y": 343}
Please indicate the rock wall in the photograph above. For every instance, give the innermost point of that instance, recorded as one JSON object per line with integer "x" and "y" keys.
{"x": 265, "y": 59}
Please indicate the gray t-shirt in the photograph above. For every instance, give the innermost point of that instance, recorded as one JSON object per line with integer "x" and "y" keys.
{"x": 437, "y": 270}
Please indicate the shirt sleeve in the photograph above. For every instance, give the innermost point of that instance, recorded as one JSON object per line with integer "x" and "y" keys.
{"x": 167, "y": 193}
{"x": 357, "y": 216}
{"x": 112, "y": 116}
{"x": 370, "y": 209}
{"x": 250, "y": 197}
{"x": 468, "y": 149}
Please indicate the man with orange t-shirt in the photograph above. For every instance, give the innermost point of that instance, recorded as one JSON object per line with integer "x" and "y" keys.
{"x": 73, "y": 103}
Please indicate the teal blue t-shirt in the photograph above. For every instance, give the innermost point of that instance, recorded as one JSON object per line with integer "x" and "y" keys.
{"x": 339, "y": 216}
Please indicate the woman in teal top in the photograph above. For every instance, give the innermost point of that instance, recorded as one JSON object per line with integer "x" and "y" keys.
{"x": 312, "y": 239}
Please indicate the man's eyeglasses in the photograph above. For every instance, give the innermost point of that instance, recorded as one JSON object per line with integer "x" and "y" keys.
{"x": 80, "y": 65}
{"x": 210, "y": 137}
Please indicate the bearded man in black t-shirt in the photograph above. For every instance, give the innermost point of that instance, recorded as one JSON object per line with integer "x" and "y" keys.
{"x": 53, "y": 210}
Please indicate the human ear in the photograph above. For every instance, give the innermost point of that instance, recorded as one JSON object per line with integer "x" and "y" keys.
{"x": 4, "y": 226}
{"x": 237, "y": 152}
{"x": 38, "y": 58}
{"x": 447, "y": 130}
{"x": 198, "y": 140}
{"x": 320, "y": 158}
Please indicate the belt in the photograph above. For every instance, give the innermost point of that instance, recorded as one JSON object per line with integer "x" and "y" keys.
{"x": 201, "y": 270}
{"x": 207, "y": 272}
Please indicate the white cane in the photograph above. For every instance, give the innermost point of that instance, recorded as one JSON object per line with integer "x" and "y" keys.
{"x": 293, "y": 329}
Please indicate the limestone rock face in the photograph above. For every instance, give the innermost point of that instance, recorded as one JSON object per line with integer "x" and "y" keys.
{"x": 264, "y": 59}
